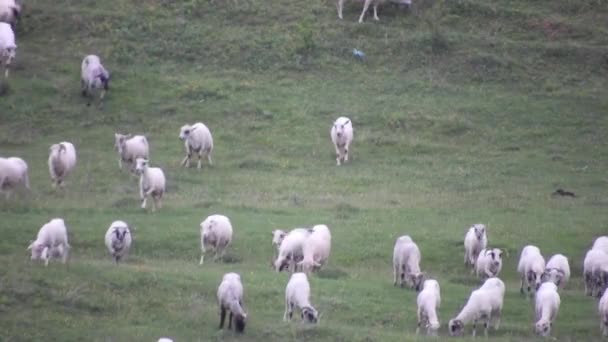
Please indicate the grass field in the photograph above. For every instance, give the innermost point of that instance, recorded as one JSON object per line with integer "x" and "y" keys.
{"x": 464, "y": 111}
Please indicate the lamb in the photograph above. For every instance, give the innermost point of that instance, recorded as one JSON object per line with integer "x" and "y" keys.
{"x": 475, "y": 240}
{"x": 197, "y": 138}
{"x": 546, "y": 308}
{"x": 291, "y": 250}
{"x": 557, "y": 270}
{"x": 216, "y": 233}
{"x": 366, "y": 5}
{"x": 593, "y": 259}
{"x": 601, "y": 243}
{"x": 484, "y": 303}
{"x": 230, "y": 298}
{"x": 531, "y": 267}
{"x": 8, "y": 47}
{"x": 316, "y": 248}
{"x": 603, "y": 313}
{"x": 130, "y": 148}
{"x": 151, "y": 183}
{"x": 489, "y": 263}
{"x": 429, "y": 300}
{"x": 10, "y": 12}
{"x": 93, "y": 76}
{"x": 13, "y": 172}
{"x": 297, "y": 293}
{"x": 406, "y": 263}
{"x": 62, "y": 160}
{"x": 118, "y": 240}
{"x": 52, "y": 241}
{"x": 342, "y": 136}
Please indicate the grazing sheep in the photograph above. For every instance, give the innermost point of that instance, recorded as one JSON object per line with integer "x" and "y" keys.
{"x": 531, "y": 267}
{"x": 52, "y": 241}
{"x": 10, "y": 12}
{"x": 557, "y": 270}
{"x": 342, "y": 136}
{"x": 367, "y": 3}
{"x": 62, "y": 160}
{"x": 130, "y": 148}
{"x": 489, "y": 263}
{"x": 316, "y": 248}
{"x": 429, "y": 300}
{"x": 216, "y": 233}
{"x": 13, "y": 172}
{"x": 406, "y": 263}
{"x": 118, "y": 240}
{"x": 197, "y": 138}
{"x": 603, "y": 313}
{"x": 297, "y": 293}
{"x": 8, "y": 47}
{"x": 601, "y": 243}
{"x": 230, "y": 298}
{"x": 93, "y": 76}
{"x": 475, "y": 240}
{"x": 546, "y": 308}
{"x": 291, "y": 250}
{"x": 593, "y": 259}
{"x": 151, "y": 183}
{"x": 484, "y": 304}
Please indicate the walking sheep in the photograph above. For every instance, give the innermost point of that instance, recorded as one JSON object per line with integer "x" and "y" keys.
{"x": 13, "y": 172}
{"x": 130, "y": 148}
{"x": 8, "y": 47}
{"x": 342, "y": 136}
{"x": 531, "y": 267}
{"x": 546, "y": 308}
{"x": 591, "y": 264}
{"x": 151, "y": 183}
{"x": 557, "y": 270}
{"x": 489, "y": 263}
{"x": 475, "y": 240}
{"x": 62, "y": 160}
{"x": 52, "y": 241}
{"x": 429, "y": 300}
{"x": 230, "y": 298}
{"x": 291, "y": 250}
{"x": 93, "y": 76}
{"x": 118, "y": 240}
{"x": 297, "y": 294}
{"x": 216, "y": 234}
{"x": 406, "y": 263}
{"x": 197, "y": 139}
{"x": 316, "y": 248}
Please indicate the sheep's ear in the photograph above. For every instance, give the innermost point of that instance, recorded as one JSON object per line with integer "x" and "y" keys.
{"x": 347, "y": 122}
{"x": 30, "y": 246}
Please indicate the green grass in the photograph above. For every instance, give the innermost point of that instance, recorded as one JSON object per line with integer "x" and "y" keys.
{"x": 465, "y": 111}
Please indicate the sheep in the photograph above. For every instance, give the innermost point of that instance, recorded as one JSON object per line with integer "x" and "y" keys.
{"x": 406, "y": 263}
{"x": 489, "y": 263}
{"x": 546, "y": 308}
{"x": 531, "y": 267}
{"x": 13, "y": 172}
{"x": 93, "y": 76}
{"x": 603, "y": 313}
{"x": 62, "y": 160}
{"x": 593, "y": 259}
{"x": 291, "y": 250}
{"x": 230, "y": 298}
{"x": 151, "y": 183}
{"x": 342, "y": 136}
{"x": 475, "y": 240}
{"x": 484, "y": 303}
{"x": 52, "y": 241}
{"x": 316, "y": 248}
{"x": 10, "y": 12}
{"x": 8, "y": 47}
{"x": 130, "y": 148}
{"x": 216, "y": 233}
{"x": 428, "y": 301}
{"x": 601, "y": 243}
{"x": 197, "y": 138}
{"x": 297, "y": 293}
{"x": 600, "y": 275}
{"x": 118, "y": 240}
{"x": 164, "y": 339}
{"x": 557, "y": 270}
{"x": 367, "y": 3}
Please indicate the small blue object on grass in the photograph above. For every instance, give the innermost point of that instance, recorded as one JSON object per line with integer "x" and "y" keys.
{"x": 359, "y": 54}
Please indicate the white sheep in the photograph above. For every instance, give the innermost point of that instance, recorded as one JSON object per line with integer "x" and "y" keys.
{"x": 406, "y": 263}
{"x": 10, "y": 12}
{"x": 546, "y": 308}
{"x": 291, "y": 250}
{"x": 557, "y": 270}
{"x": 489, "y": 263}
{"x": 13, "y": 172}
{"x": 216, "y": 234}
{"x": 475, "y": 240}
{"x": 62, "y": 160}
{"x": 367, "y": 3}
{"x": 8, "y": 47}
{"x": 316, "y": 248}
{"x": 297, "y": 294}
{"x": 164, "y": 339}
{"x": 197, "y": 139}
{"x": 428, "y": 301}
{"x": 93, "y": 76}
{"x": 531, "y": 267}
{"x": 342, "y": 136}
{"x": 603, "y": 313}
{"x": 130, "y": 148}
{"x": 52, "y": 241}
{"x": 118, "y": 240}
{"x": 591, "y": 264}
{"x": 484, "y": 304}
{"x": 151, "y": 183}
{"x": 230, "y": 298}
{"x": 601, "y": 243}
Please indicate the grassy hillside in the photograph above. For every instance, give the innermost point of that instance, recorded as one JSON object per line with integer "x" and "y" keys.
{"x": 464, "y": 111}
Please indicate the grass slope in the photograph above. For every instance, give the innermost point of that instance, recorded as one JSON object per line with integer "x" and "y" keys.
{"x": 465, "y": 111}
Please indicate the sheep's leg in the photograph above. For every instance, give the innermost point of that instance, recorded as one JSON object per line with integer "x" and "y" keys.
{"x": 222, "y": 317}
{"x": 340, "y": 6}
{"x": 496, "y": 316}
{"x": 376, "y": 12}
{"x": 346, "y": 152}
{"x": 419, "y": 321}
{"x": 83, "y": 88}
{"x": 287, "y": 315}
{"x": 186, "y": 160}
{"x": 485, "y": 327}
{"x": 230, "y": 321}
{"x": 200, "y": 155}
{"x": 209, "y": 158}
{"x": 365, "y": 8}
{"x": 521, "y": 288}
{"x": 338, "y": 154}
{"x": 143, "y": 203}
{"x": 395, "y": 271}
{"x": 202, "y": 256}
{"x": 474, "y": 327}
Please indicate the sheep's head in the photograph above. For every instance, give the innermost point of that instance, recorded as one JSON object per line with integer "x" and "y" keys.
{"x": 543, "y": 328}
{"x": 456, "y": 327}
{"x": 185, "y": 131}
{"x": 38, "y": 250}
{"x": 310, "y": 315}
{"x": 277, "y": 237}
{"x": 480, "y": 231}
{"x": 119, "y": 141}
{"x": 105, "y": 80}
{"x": 534, "y": 278}
{"x": 240, "y": 320}
{"x": 141, "y": 165}
{"x": 433, "y": 328}
{"x": 281, "y": 263}
{"x": 553, "y": 275}
{"x": 120, "y": 233}
{"x": 11, "y": 51}
{"x": 496, "y": 256}
{"x": 417, "y": 280}
{"x": 340, "y": 128}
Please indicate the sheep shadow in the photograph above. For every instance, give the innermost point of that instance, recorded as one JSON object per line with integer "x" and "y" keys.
{"x": 331, "y": 273}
